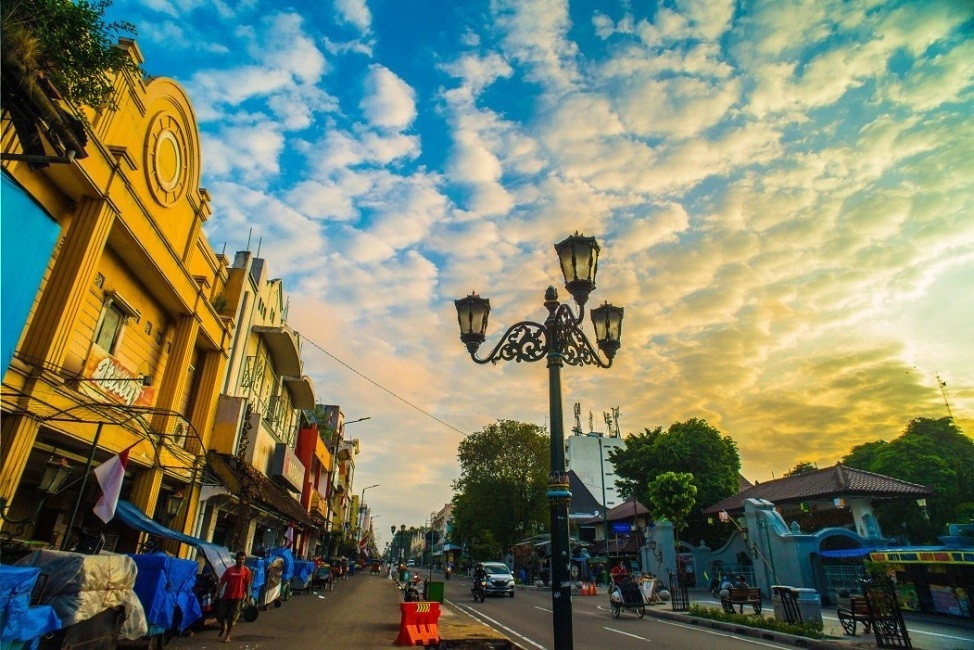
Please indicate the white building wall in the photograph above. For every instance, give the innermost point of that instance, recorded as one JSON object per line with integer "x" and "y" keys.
{"x": 582, "y": 456}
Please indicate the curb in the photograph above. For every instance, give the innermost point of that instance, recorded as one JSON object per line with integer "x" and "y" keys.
{"x": 759, "y": 633}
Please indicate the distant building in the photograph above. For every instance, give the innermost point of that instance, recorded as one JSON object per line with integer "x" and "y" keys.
{"x": 588, "y": 456}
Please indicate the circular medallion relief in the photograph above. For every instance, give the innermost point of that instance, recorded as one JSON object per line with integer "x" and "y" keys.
{"x": 166, "y": 160}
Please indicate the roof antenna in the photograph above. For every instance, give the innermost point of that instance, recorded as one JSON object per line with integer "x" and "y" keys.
{"x": 942, "y": 385}
{"x": 250, "y": 233}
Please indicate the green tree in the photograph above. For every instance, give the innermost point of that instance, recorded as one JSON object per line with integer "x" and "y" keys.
{"x": 801, "y": 468}
{"x": 930, "y": 452}
{"x": 69, "y": 43}
{"x": 501, "y": 489}
{"x": 672, "y": 496}
{"x": 693, "y": 447}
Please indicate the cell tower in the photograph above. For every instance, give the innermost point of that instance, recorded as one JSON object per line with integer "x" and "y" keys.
{"x": 942, "y": 385}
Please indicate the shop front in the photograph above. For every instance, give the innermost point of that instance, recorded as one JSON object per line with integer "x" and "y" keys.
{"x": 933, "y": 581}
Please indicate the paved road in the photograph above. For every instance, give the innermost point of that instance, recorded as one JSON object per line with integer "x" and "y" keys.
{"x": 363, "y": 612}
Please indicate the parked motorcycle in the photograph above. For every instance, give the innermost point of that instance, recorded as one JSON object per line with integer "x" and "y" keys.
{"x": 479, "y": 589}
{"x": 411, "y": 592}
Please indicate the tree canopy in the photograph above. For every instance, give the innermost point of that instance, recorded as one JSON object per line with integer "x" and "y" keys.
{"x": 930, "y": 452}
{"x": 672, "y": 496}
{"x": 693, "y": 447}
{"x": 500, "y": 493}
{"x": 69, "y": 43}
{"x": 801, "y": 468}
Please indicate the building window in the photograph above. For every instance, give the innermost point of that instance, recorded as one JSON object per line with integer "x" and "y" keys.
{"x": 110, "y": 328}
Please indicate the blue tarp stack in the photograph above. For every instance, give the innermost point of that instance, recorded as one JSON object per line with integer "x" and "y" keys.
{"x": 20, "y": 624}
{"x": 288, "y": 557}
{"x": 256, "y": 566}
{"x": 164, "y": 585}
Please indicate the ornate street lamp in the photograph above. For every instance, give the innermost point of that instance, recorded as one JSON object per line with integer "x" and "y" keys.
{"x": 174, "y": 503}
{"x": 560, "y": 340}
{"x": 56, "y": 472}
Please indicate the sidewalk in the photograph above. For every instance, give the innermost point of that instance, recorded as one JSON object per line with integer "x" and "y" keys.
{"x": 927, "y": 632}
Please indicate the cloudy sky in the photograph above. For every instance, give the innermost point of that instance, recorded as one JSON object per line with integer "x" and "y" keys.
{"x": 782, "y": 192}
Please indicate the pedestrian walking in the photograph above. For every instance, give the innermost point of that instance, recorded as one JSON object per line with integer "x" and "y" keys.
{"x": 235, "y": 583}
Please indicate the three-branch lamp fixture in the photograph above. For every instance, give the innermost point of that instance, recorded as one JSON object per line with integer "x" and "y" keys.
{"x": 579, "y": 258}
{"x": 559, "y": 341}
{"x": 56, "y": 472}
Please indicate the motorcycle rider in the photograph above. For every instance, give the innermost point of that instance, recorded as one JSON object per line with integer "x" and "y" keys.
{"x": 479, "y": 573}
{"x": 479, "y": 578}
{"x": 448, "y": 571}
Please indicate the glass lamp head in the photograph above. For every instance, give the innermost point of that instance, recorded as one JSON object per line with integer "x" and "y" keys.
{"x": 579, "y": 259}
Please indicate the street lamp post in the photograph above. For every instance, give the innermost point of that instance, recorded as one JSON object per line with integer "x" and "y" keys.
{"x": 559, "y": 340}
{"x": 362, "y": 510}
{"x": 329, "y": 492}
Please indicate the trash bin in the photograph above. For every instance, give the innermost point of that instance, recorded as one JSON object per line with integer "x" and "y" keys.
{"x": 784, "y": 600}
{"x": 434, "y": 591}
{"x": 810, "y": 605}
{"x": 776, "y": 604}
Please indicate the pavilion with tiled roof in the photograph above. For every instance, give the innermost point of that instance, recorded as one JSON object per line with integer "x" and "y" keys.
{"x": 809, "y": 496}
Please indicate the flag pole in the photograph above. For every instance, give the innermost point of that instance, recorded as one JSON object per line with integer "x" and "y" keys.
{"x": 81, "y": 489}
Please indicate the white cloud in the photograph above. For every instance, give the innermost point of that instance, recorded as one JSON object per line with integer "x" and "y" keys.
{"x": 389, "y": 102}
{"x": 354, "y": 12}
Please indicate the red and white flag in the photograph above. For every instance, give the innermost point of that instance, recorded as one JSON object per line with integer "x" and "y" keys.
{"x": 110, "y": 475}
{"x": 289, "y": 536}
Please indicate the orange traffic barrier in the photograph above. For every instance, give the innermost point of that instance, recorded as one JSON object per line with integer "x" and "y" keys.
{"x": 419, "y": 624}
{"x": 589, "y": 589}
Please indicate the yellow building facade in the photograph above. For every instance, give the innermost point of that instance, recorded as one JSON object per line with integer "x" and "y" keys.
{"x": 125, "y": 346}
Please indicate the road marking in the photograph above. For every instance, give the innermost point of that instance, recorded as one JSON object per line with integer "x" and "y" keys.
{"x": 697, "y": 628}
{"x": 483, "y": 619}
{"x": 635, "y": 636}
{"x": 544, "y": 609}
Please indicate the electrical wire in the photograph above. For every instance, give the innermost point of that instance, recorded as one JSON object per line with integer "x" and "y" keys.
{"x": 384, "y": 389}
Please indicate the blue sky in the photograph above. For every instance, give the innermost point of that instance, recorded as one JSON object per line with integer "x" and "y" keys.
{"x": 781, "y": 191}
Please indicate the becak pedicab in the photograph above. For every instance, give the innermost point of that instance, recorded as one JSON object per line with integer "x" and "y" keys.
{"x": 626, "y": 594}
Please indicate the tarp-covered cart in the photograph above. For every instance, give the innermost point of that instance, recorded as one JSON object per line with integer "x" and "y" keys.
{"x": 165, "y": 587}
{"x": 21, "y": 623}
{"x": 215, "y": 559}
{"x": 304, "y": 572}
{"x": 92, "y": 596}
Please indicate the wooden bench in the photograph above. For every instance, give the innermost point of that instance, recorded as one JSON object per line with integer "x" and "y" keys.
{"x": 750, "y": 596}
{"x": 853, "y": 610}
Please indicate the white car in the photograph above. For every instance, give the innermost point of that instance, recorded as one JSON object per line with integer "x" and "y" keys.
{"x": 500, "y": 580}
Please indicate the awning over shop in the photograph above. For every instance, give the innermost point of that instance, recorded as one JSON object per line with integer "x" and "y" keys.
{"x": 847, "y": 552}
{"x": 218, "y": 556}
{"x": 240, "y": 478}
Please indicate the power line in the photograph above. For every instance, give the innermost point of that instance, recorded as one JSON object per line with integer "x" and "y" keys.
{"x": 384, "y": 389}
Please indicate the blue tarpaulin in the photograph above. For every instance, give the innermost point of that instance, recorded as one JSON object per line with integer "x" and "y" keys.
{"x": 288, "y": 557}
{"x": 304, "y": 570}
{"x": 20, "y": 624}
{"x": 256, "y": 566}
{"x": 847, "y": 552}
{"x": 164, "y": 585}
{"x": 218, "y": 556}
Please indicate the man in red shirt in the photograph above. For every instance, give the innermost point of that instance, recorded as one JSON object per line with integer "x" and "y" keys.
{"x": 235, "y": 582}
{"x": 619, "y": 573}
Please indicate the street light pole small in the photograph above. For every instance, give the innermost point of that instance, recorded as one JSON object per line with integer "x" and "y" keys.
{"x": 559, "y": 340}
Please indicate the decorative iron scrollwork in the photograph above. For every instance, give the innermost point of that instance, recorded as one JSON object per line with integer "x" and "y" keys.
{"x": 524, "y": 341}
